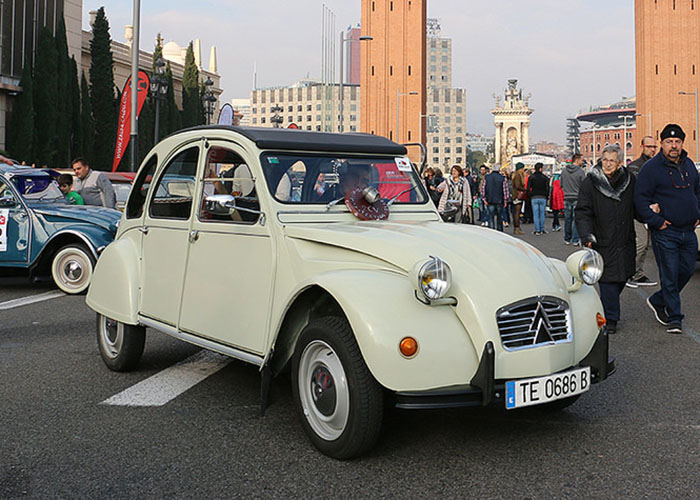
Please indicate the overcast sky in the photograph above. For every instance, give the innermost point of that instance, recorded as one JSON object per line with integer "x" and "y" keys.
{"x": 568, "y": 54}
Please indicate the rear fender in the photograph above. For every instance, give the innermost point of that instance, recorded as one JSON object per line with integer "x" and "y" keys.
{"x": 114, "y": 289}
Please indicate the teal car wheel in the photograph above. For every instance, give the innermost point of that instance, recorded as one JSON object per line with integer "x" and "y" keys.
{"x": 71, "y": 268}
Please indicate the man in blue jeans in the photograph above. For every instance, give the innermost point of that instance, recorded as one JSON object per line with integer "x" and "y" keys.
{"x": 571, "y": 178}
{"x": 538, "y": 192}
{"x": 495, "y": 193}
{"x": 670, "y": 182}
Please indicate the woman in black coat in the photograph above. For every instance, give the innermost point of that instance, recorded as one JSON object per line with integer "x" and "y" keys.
{"x": 605, "y": 220}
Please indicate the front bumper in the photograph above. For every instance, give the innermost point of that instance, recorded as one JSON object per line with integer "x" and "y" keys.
{"x": 484, "y": 389}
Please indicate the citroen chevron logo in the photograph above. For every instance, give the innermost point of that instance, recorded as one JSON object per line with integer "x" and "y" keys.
{"x": 541, "y": 326}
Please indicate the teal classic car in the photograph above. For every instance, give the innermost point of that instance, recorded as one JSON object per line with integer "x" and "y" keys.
{"x": 41, "y": 234}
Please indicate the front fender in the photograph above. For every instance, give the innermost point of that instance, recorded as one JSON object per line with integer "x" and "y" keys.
{"x": 93, "y": 237}
{"x": 114, "y": 288}
{"x": 382, "y": 309}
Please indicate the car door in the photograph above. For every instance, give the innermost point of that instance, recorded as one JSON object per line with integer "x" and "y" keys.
{"x": 165, "y": 231}
{"x": 231, "y": 264}
{"x": 15, "y": 228}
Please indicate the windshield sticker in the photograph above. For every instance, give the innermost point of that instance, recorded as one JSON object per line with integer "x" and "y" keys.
{"x": 4, "y": 215}
{"x": 403, "y": 164}
{"x": 273, "y": 159}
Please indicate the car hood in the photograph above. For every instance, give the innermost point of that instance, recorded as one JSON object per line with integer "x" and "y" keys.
{"x": 481, "y": 259}
{"x": 106, "y": 218}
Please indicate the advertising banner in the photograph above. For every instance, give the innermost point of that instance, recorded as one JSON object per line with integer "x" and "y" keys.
{"x": 124, "y": 119}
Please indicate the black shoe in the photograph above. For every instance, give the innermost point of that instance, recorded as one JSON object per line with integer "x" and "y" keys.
{"x": 611, "y": 326}
{"x": 632, "y": 284}
{"x": 644, "y": 281}
{"x": 659, "y": 313}
{"x": 674, "y": 328}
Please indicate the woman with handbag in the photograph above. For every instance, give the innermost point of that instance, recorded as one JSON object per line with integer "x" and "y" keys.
{"x": 519, "y": 195}
{"x": 456, "y": 196}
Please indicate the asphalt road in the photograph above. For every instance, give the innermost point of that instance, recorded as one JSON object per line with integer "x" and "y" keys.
{"x": 635, "y": 436}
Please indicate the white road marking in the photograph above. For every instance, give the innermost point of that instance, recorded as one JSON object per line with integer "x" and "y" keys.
{"x": 168, "y": 384}
{"x": 32, "y": 299}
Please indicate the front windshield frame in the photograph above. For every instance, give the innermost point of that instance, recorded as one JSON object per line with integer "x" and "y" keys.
{"x": 50, "y": 194}
{"x": 415, "y": 190}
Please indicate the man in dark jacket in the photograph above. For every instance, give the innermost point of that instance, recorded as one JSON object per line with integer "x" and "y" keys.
{"x": 538, "y": 192}
{"x": 643, "y": 236}
{"x": 605, "y": 220}
{"x": 571, "y": 178}
{"x": 495, "y": 192}
{"x": 670, "y": 180}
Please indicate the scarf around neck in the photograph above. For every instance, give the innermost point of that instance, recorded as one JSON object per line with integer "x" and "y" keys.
{"x": 601, "y": 182}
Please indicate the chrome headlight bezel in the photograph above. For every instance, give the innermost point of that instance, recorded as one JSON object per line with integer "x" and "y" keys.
{"x": 433, "y": 278}
{"x": 586, "y": 266}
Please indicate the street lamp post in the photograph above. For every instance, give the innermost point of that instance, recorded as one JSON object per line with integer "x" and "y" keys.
{"x": 134, "y": 85}
{"x": 398, "y": 95}
{"x": 624, "y": 142}
{"x": 159, "y": 88}
{"x": 209, "y": 99}
{"x": 697, "y": 132}
{"x": 341, "y": 89}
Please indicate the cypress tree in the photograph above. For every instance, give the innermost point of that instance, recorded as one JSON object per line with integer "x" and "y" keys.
{"x": 191, "y": 102}
{"x": 76, "y": 138}
{"x": 63, "y": 98}
{"x": 45, "y": 99}
{"x": 173, "y": 120}
{"x": 104, "y": 106}
{"x": 86, "y": 122}
{"x": 21, "y": 130}
{"x": 146, "y": 129}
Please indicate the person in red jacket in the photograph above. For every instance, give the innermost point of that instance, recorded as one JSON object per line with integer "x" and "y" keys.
{"x": 556, "y": 201}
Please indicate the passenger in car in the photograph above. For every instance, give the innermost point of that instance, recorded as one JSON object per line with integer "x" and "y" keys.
{"x": 350, "y": 177}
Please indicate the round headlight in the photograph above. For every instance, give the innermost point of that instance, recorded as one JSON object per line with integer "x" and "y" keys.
{"x": 434, "y": 278}
{"x": 590, "y": 267}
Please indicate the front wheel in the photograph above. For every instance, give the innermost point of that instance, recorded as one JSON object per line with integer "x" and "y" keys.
{"x": 121, "y": 345}
{"x": 338, "y": 400}
{"x": 71, "y": 268}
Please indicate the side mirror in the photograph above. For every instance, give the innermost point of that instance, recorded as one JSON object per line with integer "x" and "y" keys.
{"x": 220, "y": 204}
{"x": 8, "y": 201}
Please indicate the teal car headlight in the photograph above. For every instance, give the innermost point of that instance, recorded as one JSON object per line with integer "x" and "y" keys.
{"x": 433, "y": 278}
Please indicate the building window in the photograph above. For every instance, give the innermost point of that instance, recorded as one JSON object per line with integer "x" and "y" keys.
{"x": 353, "y": 128}
{"x": 458, "y": 139}
{"x": 675, "y": 68}
{"x": 458, "y": 150}
{"x": 372, "y": 70}
{"x": 409, "y": 70}
{"x": 318, "y": 118}
{"x": 436, "y": 150}
{"x": 255, "y": 120}
{"x": 458, "y": 119}
{"x": 447, "y": 149}
{"x": 290, "y": 119}
{"x": 436, "y": 139}
{"x": 433, "y": 59}
{"x": 446, "y": 130}
{"x": 444, "y": 44}
{"x": 353, "y": 107}
{"x": 433, "y": 68}
{"x": 262, "y": 110}
{"x": 262, "y": 120}
{"x": 433, "y": 44}
{"x": 353, "y": 118}
{"x": 299, "y": 107}
{"x": 290, "y": 109}
{"x": 299, "y": 118}
{"x": 391, "y": 71}
{"x": 308, "y": 118}
{"x": 436, "y": 109}
{"x": 255, "y": 110}
{"x": 459, "y": 160}
{"x": 447, "y": 140}
{"x": 308, "y": 107}
{"x": 447, "y": 109}
{"x": 436, "y": 160}
{"x": 444, "y": 58}
{"x": 459, "y": 108}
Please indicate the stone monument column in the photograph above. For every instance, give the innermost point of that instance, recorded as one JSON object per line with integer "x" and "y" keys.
{"x": 497, "y": 145}
{"x": 525, "y": 146}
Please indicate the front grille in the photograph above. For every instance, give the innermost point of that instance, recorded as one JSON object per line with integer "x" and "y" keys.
{"x": 534, "y": 322}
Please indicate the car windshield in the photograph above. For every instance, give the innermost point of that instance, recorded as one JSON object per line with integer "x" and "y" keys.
{"x": 37, "y": 188}
{"x": 312, "y": 179}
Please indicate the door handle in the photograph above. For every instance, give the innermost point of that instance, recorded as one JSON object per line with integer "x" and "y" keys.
{"x": 194, "y": 236}
{"x": 144, "y": 229}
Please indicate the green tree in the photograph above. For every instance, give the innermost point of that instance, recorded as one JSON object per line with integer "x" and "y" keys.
{"x": 104, "y": 106}
{"x": 45, "y": 99}
{"x": 191, "y": 100}
{"x": 86, "y": 122}
{"x": 171, "y": 120}
{"x": 63, "y": 98}
{"x": 21, "y": 129}
{"x": 476, "y": 159}
{"x": 76, "y": 138}
{"x": 146, "y": 124}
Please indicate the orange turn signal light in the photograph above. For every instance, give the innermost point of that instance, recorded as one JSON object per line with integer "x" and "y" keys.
{"x": 408, "y": 346}
{"x": 600, "y": 320}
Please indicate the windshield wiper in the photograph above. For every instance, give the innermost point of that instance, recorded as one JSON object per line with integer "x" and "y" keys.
{"x": 391, "y": 201}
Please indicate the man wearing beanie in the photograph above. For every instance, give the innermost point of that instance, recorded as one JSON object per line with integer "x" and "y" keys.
{"x": 670, "y": 180}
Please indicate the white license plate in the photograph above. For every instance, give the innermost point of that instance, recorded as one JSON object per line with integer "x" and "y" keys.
{"x": 535, "y": 391}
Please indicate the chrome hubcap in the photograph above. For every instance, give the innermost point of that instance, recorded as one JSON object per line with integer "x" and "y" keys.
{"x": 111, "y": 336}
{"x": 323, "y": 390}
{"x": 73, "y": 270}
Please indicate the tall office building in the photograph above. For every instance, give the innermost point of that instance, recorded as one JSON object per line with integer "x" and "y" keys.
{"x": 393, "y": 70}
{"x": 352, "y": 56}
{"x": 445, "y": 145}
{"x": 667, "y": 63}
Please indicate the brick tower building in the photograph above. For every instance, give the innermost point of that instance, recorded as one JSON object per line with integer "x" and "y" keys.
{"x": 667, "y": 62}
{"x": 393, "y": 72}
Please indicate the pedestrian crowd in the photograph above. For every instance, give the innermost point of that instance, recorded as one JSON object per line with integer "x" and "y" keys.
{"x": 620, "y": 211}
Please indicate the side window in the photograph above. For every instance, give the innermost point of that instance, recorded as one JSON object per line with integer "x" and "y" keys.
{"x": 172, "y": 198}
{"x": 137, "y": 198}
{"x": 229, "y": 193}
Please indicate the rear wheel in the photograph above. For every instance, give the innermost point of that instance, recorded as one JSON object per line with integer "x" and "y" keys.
{"x": 71, "y": 268}
{"x": 121, "y": 345}
{"x": 338, "y": 400}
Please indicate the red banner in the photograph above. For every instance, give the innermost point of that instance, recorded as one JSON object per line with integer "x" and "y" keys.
{"x": 124, "y": 123}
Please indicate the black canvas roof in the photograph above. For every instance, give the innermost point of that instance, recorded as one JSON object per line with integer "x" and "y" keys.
{"x": 294, "y": 139}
